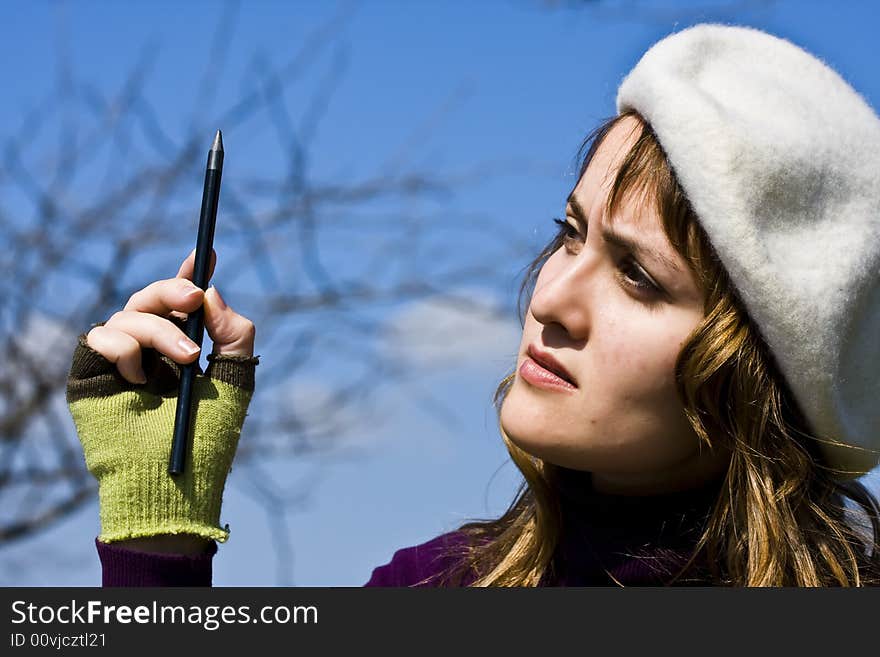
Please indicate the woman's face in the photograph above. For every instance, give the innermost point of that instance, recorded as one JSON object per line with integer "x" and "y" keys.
{"x": 615, "y": 320}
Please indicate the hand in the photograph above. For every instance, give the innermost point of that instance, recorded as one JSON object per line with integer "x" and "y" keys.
{"x": 125, "y": 428}
{"x": 146, "y": 321}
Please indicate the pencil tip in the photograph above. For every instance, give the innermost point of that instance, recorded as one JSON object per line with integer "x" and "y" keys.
{"x": 218, "y": 142}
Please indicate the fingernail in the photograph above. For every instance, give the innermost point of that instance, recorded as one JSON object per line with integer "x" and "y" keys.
{"x": 191, "y": 289}
{"x": 220, "y": 302}
{"x": 140, "y": 377}
{"x": 188, "y": 346}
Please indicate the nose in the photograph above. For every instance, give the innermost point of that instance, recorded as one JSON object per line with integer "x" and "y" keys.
{"x": 564, "y": 292}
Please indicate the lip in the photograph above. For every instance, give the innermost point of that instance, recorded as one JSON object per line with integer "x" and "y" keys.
{"x": 541, "y": 365}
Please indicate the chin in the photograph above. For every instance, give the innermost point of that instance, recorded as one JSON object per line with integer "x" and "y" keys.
{"x": 511, "y": 419}
{"x": 527, "y": 436}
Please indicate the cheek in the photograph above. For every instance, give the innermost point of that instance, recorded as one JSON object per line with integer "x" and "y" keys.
{"x": 640, "y": 355}
{"x": 636, "y": 408}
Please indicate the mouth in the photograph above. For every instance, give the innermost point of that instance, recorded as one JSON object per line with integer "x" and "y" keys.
{"x": 546, "y": 361}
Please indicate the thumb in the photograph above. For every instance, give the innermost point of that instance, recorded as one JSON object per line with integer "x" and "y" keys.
{"x": 231, "y": 333}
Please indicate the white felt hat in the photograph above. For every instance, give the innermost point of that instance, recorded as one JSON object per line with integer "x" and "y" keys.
{"x": 780, "y": 159}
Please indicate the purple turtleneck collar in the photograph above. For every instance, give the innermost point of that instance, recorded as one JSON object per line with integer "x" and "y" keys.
{"x": 626, "y": 539}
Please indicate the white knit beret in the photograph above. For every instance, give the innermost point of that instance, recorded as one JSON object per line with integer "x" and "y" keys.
{"x": 780, "y": 159}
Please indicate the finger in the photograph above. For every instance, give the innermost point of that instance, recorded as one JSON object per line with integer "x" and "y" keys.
{"x": 120, "y": 348}
{"x": 155, "y": 332}
{"x": 188, "y": 267}
{"x": 230, "y": 332}
{"x": 164, "y": 297}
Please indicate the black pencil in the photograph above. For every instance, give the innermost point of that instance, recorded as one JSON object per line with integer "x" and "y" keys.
{"x": 195, "y": 324}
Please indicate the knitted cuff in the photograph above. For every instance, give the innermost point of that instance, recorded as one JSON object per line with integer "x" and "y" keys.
{"x": 124, "y": 567}
{"x": 126, "y": 429}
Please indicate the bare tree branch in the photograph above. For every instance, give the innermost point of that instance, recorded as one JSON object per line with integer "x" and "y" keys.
{"x": 79, "y": 244}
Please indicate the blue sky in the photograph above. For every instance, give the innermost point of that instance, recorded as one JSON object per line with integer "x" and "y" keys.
{"x": 464, "y": 83}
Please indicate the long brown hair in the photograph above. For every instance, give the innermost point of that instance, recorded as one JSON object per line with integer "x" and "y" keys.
{"x": 781, "y": 518}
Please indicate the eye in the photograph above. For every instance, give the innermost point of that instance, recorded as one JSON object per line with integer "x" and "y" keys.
{"x": 635, "y": 277}
{"x": 567, "y": 233}
{"x": 629, "y": 272}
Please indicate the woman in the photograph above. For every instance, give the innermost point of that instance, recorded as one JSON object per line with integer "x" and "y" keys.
{"x": 694, "y": 389}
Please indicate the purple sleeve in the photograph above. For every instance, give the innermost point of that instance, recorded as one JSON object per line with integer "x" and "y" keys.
{"x": 124, "y": 567}
{"x": 413, "y": 566}
{"x": 419, "y": 565}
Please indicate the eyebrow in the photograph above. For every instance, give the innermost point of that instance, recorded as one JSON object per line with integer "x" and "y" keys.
{"x": 621, "y": 241}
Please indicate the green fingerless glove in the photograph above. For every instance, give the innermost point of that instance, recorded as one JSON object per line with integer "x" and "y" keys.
{"x": 126, "y": 429}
